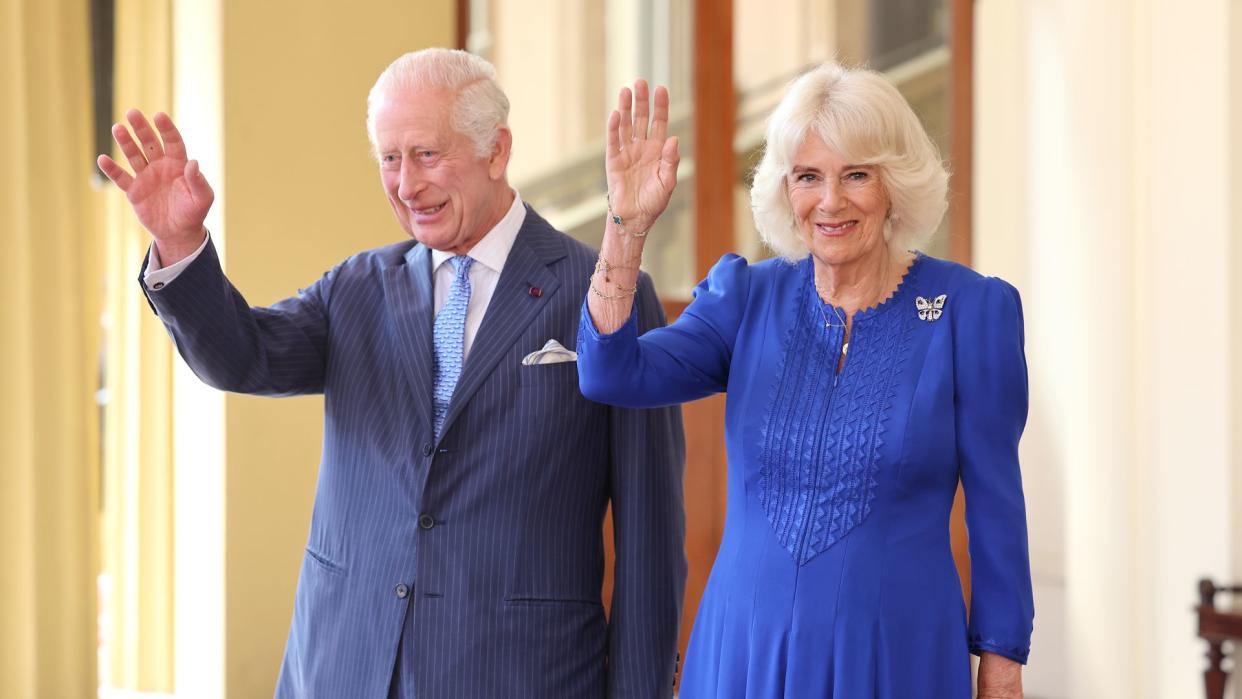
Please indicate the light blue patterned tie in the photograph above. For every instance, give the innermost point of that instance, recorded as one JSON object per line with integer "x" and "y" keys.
{"x": 449, "y": 338}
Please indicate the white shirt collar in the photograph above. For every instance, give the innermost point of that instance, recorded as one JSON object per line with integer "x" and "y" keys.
{"x": 493, "y": 249}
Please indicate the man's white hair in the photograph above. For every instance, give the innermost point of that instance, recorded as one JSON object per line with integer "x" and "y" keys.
{"x": 857, "y": 113}
{"x": 480, "y": 108}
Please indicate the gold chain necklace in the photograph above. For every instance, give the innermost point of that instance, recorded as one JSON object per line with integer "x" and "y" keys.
{"x": 845, "y": 347}
{"x": 820, "y": 295}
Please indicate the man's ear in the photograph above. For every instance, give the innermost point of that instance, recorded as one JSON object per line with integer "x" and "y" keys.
{"x": 498, "y": 161}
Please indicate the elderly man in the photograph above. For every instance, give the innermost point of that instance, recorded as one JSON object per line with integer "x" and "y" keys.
{"x": 455, "y": 548}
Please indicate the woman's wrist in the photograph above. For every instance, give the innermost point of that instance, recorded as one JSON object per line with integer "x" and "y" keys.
{"x": 621, "y": 247}
{"x": 614, "y": 281}
{"x": 630, "y": 225}
{"x": 999, "y": 677}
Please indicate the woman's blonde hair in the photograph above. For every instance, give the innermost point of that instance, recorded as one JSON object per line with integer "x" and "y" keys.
{"x": 859, "y": 114}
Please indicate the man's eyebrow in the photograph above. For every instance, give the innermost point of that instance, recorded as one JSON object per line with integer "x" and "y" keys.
{"x": 413, "y": 147}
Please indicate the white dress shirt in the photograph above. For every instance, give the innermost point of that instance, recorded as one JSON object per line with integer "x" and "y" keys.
{"x": 489, "y": 256}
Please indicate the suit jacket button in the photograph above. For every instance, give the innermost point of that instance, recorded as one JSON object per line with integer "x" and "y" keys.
{"x": 401, "y": 591}
{"x": 426, "y": 521}
{"x": 428, "y": 448}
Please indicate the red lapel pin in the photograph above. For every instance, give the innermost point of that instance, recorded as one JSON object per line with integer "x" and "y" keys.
{"x": 536, "y": 291}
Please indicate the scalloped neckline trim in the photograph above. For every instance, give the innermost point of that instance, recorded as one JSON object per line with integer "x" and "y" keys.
{"x": 906, "y": 280}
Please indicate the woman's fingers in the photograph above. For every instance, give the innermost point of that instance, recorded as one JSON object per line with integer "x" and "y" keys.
{"x": 626, "y": 129}
{"x": 151, "y": 146}
{"x": 659, "y": 117}
{"x": 641, "y": 110}
{"x": 613, "y": 139}
{"x": 669, "y": 159}
{"x": 114, "y": 172}
{"x": 174, "y": 146}
{"x": 639, "y": 117}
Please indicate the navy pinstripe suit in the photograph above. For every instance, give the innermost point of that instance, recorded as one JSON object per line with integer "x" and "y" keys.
{"x": 490, "y": 538}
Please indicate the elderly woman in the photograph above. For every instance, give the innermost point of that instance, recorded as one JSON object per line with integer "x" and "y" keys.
{"x": 864, "y": 380}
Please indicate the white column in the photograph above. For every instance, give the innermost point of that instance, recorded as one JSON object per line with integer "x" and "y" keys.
{"x": 198, "y": 426}
{"x": 1185, "y": 326}
{"x": 1235, "y": 292}
{"x": 1105, "y": 180}
{"x": 1079, "y": 207}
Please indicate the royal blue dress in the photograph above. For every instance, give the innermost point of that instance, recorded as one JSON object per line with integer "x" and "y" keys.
{"x": 835, "y": 576}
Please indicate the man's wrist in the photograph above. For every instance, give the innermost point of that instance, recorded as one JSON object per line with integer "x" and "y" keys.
{"x": 173, "y": 251}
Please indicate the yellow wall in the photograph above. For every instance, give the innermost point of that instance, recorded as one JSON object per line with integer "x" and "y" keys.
{"x": 300, "y": 193}
{"x": 49, "y": 335}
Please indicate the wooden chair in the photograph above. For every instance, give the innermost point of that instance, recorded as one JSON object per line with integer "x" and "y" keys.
{"x": 1216, "y": 626}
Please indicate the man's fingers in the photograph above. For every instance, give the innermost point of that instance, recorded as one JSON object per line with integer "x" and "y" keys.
{"x": 659, "y": 116}
{"x": 174, "y": 146}
{"x": 137, "y": 161}
{"x": 151, "y": 146}
{"x": 114, "y": 172}
{"x": 641, "y": 110}
{"x": 200, "y": 189}
{"x": 627, "y": 119}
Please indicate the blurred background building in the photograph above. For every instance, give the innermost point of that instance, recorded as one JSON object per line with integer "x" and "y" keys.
{"x": 152, "y": 528}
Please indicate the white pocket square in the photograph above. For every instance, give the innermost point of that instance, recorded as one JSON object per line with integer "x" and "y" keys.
{"x": 553, "y": 352}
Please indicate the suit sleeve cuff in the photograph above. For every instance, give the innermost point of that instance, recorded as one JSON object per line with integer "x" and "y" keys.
{"x": 157, "y": 277}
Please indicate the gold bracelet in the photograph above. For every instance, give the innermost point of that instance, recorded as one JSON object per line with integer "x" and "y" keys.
{"x": 617, "y": 219}
{"x": 602, "y": 265}
{"x": 625, "y": 293}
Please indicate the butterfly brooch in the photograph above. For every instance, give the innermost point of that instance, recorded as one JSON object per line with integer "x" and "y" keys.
{"x": 930, "y": 310}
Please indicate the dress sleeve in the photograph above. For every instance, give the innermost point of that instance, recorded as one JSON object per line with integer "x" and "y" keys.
{"x": 991, "y": 404}
{"x": 682, "y": 362}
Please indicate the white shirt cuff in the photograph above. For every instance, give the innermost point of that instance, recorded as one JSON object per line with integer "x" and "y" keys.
{"x": 157, "y": 277}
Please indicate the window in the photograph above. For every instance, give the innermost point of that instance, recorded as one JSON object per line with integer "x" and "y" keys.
{"x": 562, "y": 94}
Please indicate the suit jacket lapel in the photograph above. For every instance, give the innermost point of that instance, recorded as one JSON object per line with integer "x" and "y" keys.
{"x": 411, "y": 304}
{"x": 512, "y": 308}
